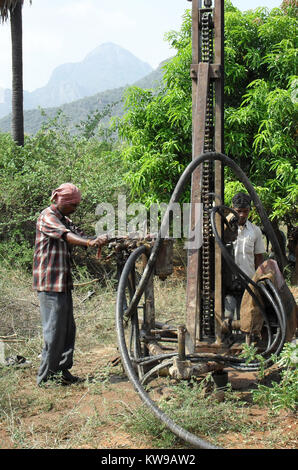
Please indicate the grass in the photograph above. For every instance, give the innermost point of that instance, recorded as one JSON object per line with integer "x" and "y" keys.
{"x": 188, "y": 406}
{"x": 105, "y": 412}
{"x": 225, "y": 423}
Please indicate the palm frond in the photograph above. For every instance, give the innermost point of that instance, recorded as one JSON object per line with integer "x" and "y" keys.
{"x": 6, "y": 6}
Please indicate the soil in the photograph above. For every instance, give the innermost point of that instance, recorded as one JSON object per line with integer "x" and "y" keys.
{"x": 57, "y": 414}
{"x": 115, "y": 394}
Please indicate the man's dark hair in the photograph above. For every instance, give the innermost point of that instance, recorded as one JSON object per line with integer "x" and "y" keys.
{"x": 241, "y": 200}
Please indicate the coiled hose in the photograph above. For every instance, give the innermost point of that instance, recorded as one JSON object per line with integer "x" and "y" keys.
{"x": 177, "y": 430}
{"x": 183, "y": 180}
{"x": 234, "y": 362}
{"x": 266, "y": 290}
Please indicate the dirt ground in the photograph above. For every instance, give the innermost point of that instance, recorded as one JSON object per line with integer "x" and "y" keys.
{"x": 91, "y": 415}
{"x": 64, "y": 410}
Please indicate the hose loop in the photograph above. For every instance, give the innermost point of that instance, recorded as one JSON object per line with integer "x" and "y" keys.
{"x": 266, "y": 289}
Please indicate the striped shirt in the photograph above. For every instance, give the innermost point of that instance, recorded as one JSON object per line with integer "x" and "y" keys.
{"x": 52, "y": 255}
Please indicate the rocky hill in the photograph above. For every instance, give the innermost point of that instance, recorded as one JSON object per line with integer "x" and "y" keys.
{"x": 78, "y": 110}
{"x": 106, "y": 67}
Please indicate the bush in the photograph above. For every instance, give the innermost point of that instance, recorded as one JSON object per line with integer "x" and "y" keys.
{"x": 282, "y": 394}
{"x": 53, "y": 156}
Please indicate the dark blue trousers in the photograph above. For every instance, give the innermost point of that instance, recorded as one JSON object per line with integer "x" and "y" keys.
{"x": 59, "y": 331}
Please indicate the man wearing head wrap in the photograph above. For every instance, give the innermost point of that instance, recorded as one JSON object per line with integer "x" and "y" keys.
{"x": 55, "y": 233}
{"x": 248, "y": 250}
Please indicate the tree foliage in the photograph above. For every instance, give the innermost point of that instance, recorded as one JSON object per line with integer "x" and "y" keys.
{"x": 260, "y": 111}
{"x": 157, "y": 126}
{"x": 28, "y": 174}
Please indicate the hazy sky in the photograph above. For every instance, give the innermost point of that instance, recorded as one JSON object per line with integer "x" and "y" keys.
{"x": 60, "y": 31}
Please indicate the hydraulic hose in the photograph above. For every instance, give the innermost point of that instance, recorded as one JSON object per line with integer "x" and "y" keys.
{"x": 121, "y": 313}
{"x": 183, "y": 180}
{"x": 177, "y": 430}
{"x": 243, "y": 278}
{"x": 280, "y": 315}
{"x": 212, "y": 156}
{"x": 261, "y": 288}
{"x": 155, "y": 370}
{"x": 273, "y": 289}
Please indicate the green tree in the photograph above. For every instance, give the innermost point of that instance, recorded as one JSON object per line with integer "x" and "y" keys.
{"x": 260, "y": 111}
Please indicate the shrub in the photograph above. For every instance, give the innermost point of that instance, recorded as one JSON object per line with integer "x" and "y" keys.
{"x": 283, "y": 394}
{"x": 53, "y": 156}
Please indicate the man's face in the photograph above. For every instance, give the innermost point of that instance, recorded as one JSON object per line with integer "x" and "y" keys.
{"x": 67, "y": 209}
{"x": 243, "y": 213}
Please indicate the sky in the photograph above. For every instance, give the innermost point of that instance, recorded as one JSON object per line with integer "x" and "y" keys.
{"x": 61, "y": 31}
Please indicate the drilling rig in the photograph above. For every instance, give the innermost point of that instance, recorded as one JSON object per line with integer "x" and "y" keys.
{"x": 206, "y": 341}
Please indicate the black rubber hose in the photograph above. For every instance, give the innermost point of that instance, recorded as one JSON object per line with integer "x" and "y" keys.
{"x": 151, "y": 359}
{"x": 155, "y": 370}
{"x": 278, "y": 338}
{"x": 175, "y": 198}
{"x": 212, "y": 156}
{"x": 244, "y": 279}
{"x": 279, "y": 316}
{"x": 270, "y": 284}
{"x": 177, "y": 430}
{"x": 276, "y": 304}
{"x": 254, "y": 366}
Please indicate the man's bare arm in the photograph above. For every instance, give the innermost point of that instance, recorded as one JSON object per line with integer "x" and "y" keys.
{"x": 74, "y": 239}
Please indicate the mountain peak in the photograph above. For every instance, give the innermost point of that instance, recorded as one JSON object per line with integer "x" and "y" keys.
{"x": 112, "y": 50}
{"x": 95, "y": 73}
{"x": 103, "y": 47}
{"x": 106, "y": 67}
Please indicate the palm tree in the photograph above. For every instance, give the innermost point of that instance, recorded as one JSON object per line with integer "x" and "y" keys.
{"x": 14, "y": 9}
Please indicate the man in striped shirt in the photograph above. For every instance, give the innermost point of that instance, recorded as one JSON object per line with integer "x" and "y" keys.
{"x": 55, "y": 233}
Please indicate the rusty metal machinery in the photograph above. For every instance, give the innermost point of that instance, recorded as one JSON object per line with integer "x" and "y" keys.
{"x": 203, "y": 307}
{"x": 207, "y": 341}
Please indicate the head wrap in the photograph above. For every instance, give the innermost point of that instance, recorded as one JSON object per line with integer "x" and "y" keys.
{"x": 67, "y": 193}
{"x": 241, "y": 200}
